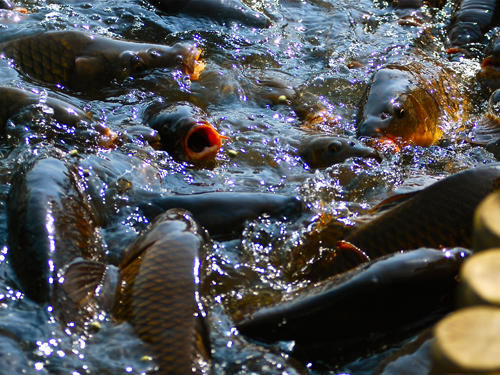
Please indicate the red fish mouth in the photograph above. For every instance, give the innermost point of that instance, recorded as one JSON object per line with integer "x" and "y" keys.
{"x": 202, "y": 142}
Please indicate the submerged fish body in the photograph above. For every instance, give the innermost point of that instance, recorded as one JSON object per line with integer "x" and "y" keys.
{"x": 345, "y": 313}
{"x": 184, "y": 131}
{"x": 437, "y": 216}
{"x": 409, "y": 102}
{"x": 322, "y": 152}
{"x": 82, "y": 62}
{"x": 472, "y": 20}
{"x": 489, "y": 75}
{"x": 155, "y": 288}
{"x": 16, "y": 102}
{"x": 224, "y": 213}
{"x": 50, "y": 223}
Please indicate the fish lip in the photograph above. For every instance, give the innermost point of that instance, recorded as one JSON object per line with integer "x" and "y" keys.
{"x": 192, "y": 65}
{"x": 209, "y": 135}
{"x": 374, "y": 154}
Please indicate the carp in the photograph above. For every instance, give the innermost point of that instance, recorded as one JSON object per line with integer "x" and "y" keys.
{"x": 184, "y": 130}
{"x": 50, "y": 223}
{"x": 15, "y": 103}
{"x": 469, "y": 24}
{"x": 409, "y": 102}
{"x": 155, "y": 289}
{"x": 489, "y": 75}
{"x": 391, "y": 296}
{"x": 323, "y": 152}
{"x": 438, "y": 216}
{"x": 83, "y": 62}
{"x": 225, "y": 213}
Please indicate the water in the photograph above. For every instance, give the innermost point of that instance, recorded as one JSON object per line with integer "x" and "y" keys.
{"x": 323, "y": 47}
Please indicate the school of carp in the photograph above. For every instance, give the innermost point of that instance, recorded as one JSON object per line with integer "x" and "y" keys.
{"x": 239, "y": 186}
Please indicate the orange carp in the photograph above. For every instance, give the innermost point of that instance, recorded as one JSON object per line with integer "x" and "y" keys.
{"x": 81, "y": 62}
{"x": 409, "y": 102}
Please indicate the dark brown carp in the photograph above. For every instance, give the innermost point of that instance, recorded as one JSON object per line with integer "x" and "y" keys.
{"x": 15, "y": 102}
{"x": 409, "y": 102}
{"x": 393, "y": 295}
{"x": 469, "y": 24}
{"x": 50, "y": 223}
{"x": 155, "y": 288}
{"x": 487, "y": 131}
{"x": 489, "y": 75}
{"x": 221, "y": 11}
{"x": 437, "y": 216}
{"x": 323, "y": 152}
{"x": 184, "y": 131}
{"x": 82, "y": 62}
{"x": 225, "y": 213}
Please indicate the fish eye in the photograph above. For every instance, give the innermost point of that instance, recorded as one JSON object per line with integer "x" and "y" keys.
{"x": 398, "y": 110}
{"x": 334, "y": 146}
{"x": 138, "y": 67}
{"x": 400, "y": 113}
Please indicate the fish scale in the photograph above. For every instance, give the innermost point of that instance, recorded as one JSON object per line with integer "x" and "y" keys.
{"x": 168, "y": 259}
{"x": 46, "y": 57}
{"x": 437, "y": 216}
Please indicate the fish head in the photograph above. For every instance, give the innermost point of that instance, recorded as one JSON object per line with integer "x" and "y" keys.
{"x": 185, "y": 129}
{"x": 395, "y": 107}
{"x": 322, "y": 152}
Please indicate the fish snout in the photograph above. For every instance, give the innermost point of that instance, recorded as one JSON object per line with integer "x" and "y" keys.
{"x": 372, "y": 153}
{"x": 373, "y": 127}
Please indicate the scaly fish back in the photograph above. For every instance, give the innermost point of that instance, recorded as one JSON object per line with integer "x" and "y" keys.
{"x": 160, "y": 295}
{"x": 438, "y": 216}
{"x": 48, "y": 57}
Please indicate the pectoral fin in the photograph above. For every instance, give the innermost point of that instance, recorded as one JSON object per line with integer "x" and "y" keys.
{"x": 90, "y": 284}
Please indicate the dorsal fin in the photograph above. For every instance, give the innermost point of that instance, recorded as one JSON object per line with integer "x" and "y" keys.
{"x": 393, "y": 201}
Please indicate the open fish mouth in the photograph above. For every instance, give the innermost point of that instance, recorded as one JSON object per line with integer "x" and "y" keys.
{"x": 193, "y": 66}
{"x": 202, "y": 142}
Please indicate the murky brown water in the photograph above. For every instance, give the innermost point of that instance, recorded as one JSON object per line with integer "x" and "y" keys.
{"x": 324, "y": 47}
